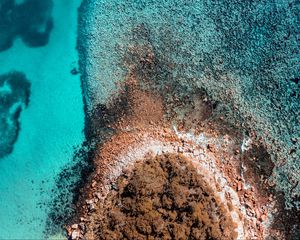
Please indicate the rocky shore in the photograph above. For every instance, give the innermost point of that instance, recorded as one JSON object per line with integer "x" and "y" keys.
{"x": 153, "y": 91}
{"x": 199, "y": 46}
{"x": 235, "y": 168}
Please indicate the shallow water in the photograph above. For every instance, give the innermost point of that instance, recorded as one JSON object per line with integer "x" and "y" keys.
{"x": 50, "y": 127}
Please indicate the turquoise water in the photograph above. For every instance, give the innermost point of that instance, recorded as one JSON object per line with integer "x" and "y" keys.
{"x": 51, "y": 126}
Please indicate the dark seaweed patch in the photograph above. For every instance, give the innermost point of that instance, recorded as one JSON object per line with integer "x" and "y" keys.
{"x": 14, "y": 94}
{"x": 30, "y": 20}
{"x": 67, "y": 189}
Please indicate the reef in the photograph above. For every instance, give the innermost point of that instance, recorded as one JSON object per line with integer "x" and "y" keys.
{"x": 30, "y": 20}
{"x": 212, "y": 84}
{"x": 14, "y": 96}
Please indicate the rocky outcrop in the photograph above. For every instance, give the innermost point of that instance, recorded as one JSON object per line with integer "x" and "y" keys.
{"x": 217, "y": 80}
{"x": 243, "y": 54}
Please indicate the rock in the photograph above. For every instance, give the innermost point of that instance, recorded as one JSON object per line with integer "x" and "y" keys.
{"x": 82, "y": 227}
{"x": 90, "y": 201}
{"x": 196, "y": 153}
{"x": 126, "y": 171}
{"x": 263, "y": 217}
{"x": 257, "y": 212}
{"x": 74, "y": 226}
{"x": 211, "y": 148}
{"x": 69, "y": 230}
{"x": 249, "y": 212}
{"x": 92, "y": 207}
{"x": 98, "y": 195}
{"x": 294, "y": 140}
{"x": 75, "y": 235}
{"x": 180, "y": 149}
{"x": 190, "y": 150}
{"x": 239, "y": 188}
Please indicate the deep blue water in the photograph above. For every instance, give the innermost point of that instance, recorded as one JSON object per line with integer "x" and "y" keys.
{"x": 41, "y": 109}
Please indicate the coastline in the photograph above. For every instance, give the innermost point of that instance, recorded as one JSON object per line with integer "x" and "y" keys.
{"x": 259, "y": 122}
{"x": 259, "y": 105}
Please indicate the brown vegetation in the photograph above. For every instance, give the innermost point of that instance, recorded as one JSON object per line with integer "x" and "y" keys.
{"x": 164, "y": 198}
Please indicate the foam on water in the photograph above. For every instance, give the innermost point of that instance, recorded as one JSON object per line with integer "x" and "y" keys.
{"x": 51, "y": 126}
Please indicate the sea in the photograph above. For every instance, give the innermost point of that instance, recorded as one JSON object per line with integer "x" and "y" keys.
{"x": 42, "y": 127}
